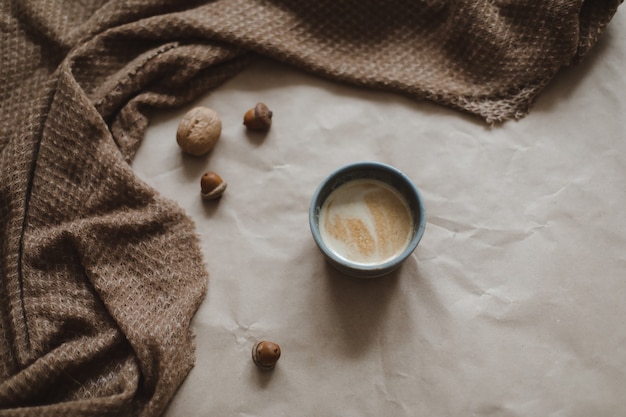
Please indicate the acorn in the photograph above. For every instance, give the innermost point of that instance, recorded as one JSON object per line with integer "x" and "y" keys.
{"x": 265, "y": 354}
{"x": 212, "y": 186}
{"x": 258, "y": 118}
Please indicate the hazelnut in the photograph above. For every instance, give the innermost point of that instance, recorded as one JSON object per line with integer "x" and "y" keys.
{"x": 212, "y": 185}
{"x": 199, "y": 130}
{"x": 265, "y": 354}
{"x": 258, "y": 118}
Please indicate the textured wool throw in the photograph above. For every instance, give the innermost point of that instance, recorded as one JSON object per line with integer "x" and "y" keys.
{"x": 100, "y": 275}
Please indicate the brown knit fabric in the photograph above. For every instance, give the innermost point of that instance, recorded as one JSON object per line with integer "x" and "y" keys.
{"x": 100, "y": 275}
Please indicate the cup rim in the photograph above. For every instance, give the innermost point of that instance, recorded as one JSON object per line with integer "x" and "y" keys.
{"x": 350, "y": 172}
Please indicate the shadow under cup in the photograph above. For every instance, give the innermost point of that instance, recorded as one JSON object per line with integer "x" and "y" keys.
{"x": 391, "y": 181}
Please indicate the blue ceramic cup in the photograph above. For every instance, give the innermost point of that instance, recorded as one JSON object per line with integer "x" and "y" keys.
{"x": 367, "y": 218}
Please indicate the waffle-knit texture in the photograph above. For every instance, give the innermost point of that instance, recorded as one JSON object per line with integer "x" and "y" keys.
{"x": 100, "y": 276}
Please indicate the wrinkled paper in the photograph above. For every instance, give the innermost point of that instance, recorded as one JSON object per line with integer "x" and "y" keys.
{"x": 512, "y": 304}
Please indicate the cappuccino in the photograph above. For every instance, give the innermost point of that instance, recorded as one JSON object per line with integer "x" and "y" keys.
{"x": 366, "y": 221}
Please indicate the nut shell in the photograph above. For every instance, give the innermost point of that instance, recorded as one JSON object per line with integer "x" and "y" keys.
{"x": 265, "y": 354}
{"x": 258, "y": 118}
{"x": 212, "y": 186}
{"x": 198, "y": 131}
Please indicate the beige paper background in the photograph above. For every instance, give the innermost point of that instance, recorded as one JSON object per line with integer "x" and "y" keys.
{"x": 512, "y": 304}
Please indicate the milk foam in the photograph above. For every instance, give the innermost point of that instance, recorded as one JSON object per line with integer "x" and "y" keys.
{"x": 365, "y": 221}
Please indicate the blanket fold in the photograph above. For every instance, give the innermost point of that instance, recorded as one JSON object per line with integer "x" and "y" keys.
{"x": 100, "y": 276}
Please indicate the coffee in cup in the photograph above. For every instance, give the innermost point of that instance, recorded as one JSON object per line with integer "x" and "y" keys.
{"x": 366, "y": 221}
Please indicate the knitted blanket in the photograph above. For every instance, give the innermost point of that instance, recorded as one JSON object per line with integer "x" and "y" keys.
{"x": 100, "y": 276}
